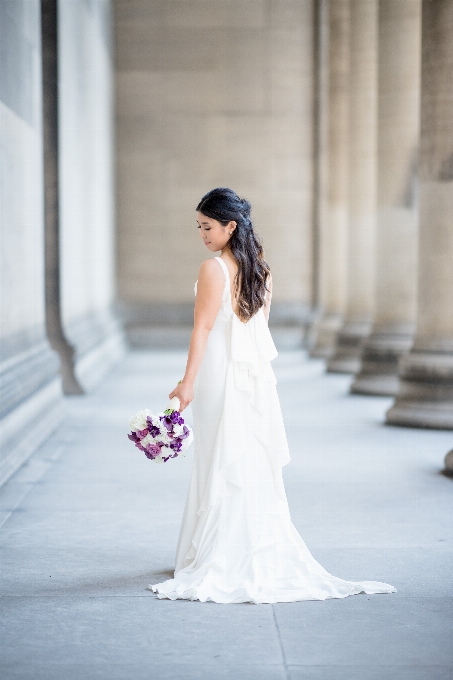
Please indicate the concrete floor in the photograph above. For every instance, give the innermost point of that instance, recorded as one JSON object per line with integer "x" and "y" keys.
{"x": 89, "y": 522}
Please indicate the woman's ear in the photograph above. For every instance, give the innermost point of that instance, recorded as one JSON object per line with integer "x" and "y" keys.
{"x": 232, "y": 226}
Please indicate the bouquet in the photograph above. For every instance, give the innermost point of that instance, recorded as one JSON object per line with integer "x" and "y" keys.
{"x": 161, "y": 436}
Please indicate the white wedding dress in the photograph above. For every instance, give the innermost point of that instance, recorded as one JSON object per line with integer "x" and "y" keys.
{"x": 237, "y": 542}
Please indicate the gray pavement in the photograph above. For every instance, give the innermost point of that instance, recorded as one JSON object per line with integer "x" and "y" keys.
{"x": 88, "y": 522}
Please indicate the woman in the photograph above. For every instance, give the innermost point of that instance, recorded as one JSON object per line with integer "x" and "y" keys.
{"x": 237, "y": 542}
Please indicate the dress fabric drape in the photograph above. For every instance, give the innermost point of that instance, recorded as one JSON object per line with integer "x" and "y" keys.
{"x": 237, "y": 542}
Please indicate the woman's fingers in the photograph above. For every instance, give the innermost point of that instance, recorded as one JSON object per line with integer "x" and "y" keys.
{"x": 184, "y": 395}
{"x": 184, "y": 404}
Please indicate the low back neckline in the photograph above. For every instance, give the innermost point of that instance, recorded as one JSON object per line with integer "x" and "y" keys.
{"x": 228, "y": 285}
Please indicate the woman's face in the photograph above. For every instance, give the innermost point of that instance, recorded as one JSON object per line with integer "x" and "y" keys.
{"x": 215, "y": 236}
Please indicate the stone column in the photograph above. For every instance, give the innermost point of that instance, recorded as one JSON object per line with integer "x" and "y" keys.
{"x": 333, "y": 216}
{"x": 362, "y": 187}
{"x": 425, "y": 397}
{"x": 397, "y": 216}
{"x": 87, "y": 190}
{"x": 52, "y": 246}
{"x": 31, "y": 403}
{"x": 320, "y": 158}
{"x": 320, "y": 136}
{"x": 448, "y": 470}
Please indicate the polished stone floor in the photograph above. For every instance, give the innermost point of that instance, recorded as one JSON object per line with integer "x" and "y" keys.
{"x": 88, "y": 522}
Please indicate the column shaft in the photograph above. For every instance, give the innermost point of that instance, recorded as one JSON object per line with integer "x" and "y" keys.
{"x": 320, "y": 149}
{"x": 425, "y": 397}
{"x": 362, "y": 187}
{"x": 55, "y": 333}
{"x": 332, "y": 198}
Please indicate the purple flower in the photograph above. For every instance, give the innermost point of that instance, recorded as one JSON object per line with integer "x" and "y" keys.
{"x": 170, "y": 419}
{"x": 176, "y": 445}
{"x": 152, "y": 446}
{"x": 152, "y": 451}
{"x": 152, "y": 429}
{"x": 185, "y": 433}
{"x": 167, "y": 421}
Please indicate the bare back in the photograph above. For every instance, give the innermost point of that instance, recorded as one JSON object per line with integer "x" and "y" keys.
{"x": 233, "y": 270}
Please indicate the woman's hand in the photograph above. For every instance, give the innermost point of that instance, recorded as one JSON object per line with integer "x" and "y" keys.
{"x": 184, "y": 392}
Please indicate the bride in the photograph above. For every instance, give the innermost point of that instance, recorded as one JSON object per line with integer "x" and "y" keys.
{"x": 237, "y": 542}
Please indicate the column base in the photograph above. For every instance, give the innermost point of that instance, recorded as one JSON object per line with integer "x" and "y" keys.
{"x": 43, "y": 413}
{"x": 385, "y": 385}
{"x": 98, "y": 340}
{"x": 323, "y": 336}
{"x": 448, "y": 470}
{"x": 346, "y": 358}
{"x": 31, "y": 403}
{"x": 425, "y": 397}
{"x": 378, "y": 374}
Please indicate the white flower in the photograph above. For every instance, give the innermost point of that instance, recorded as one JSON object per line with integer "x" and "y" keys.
{"x": 156, "y": 421}
{"x": 164, "y": 452}
{"x": 147, "y": 440}
{"x": 138, "y": 422}
{"x": 187, "y": 442}
{"x": 163, "y": 437}
{"x": 178, "y": 429}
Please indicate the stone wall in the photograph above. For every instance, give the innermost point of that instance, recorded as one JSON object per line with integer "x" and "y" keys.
{"x": 31, "y": 401}
{"x": 212, "y": 94}
{"x": 30, "y": 392}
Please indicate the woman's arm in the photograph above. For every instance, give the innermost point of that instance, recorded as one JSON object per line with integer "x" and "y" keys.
{"x": 267, "y": 303}
{"x": 211, "y": 283}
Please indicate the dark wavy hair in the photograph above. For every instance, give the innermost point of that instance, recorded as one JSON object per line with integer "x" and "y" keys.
{"x": 250, "y": 284}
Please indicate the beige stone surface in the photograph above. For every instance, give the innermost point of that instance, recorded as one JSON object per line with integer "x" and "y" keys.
{"x": 397, "y": 213}
{"x": 435, "y": 282}
{"x": 339, "y": 90}
{"x": 362, "y": 160}
{"x": 212, "y": 94}
{"x": 425, "y": 397}
{"x": 399, "y": 102}
{"x": 320, "y": 171}
{"x": 435, "y": 275}
{"x": 334, "y": 217}
{"x": 362, "y": 186}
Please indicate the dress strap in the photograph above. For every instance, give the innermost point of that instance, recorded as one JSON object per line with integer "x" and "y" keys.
{"x": 226, "y": 291}
{"x": 225, "y": 269}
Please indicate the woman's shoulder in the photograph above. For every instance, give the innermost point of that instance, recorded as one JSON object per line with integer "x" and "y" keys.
{"x": 211, "y": 269}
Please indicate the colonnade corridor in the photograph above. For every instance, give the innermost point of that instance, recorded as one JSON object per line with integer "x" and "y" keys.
{"x": 89, "y": 522}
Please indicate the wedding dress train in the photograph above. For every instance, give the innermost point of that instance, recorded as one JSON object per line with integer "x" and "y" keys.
{"x": 237, "y": 542}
